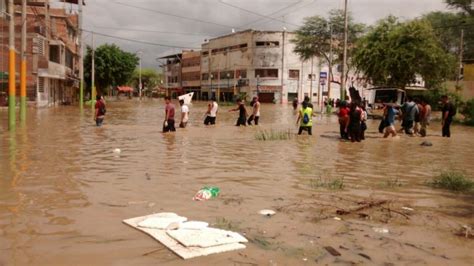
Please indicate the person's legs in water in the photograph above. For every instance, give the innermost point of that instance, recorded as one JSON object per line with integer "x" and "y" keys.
{"x": 212, "y": 120}
{"x": 310, "y": 130}
{"x": 300, "y": 130}
{"x": 446, "y": 127}
{"x": 99, "y": 122}
{"x": 408, "y": 126}
{"x": 256, "y": 120}
{"x": 249, "y": 121}
{"x": 207, "y": 120}
{"x": 241, "y": 121}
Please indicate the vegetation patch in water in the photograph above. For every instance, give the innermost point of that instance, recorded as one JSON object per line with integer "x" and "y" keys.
{"x": 454, "y": 181}
{"x": 267, "y": 135}
{"x": 393, "y": 183}
{"x": 334, "y": 184}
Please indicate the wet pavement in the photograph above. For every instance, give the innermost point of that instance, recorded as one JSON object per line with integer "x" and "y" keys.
{"x": 64, "y": 193}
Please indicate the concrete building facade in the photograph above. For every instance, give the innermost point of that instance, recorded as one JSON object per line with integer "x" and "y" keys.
{"x": 191, "y": 72}
{"x": 256, "y": 62}
{"x": 52, "y": 55}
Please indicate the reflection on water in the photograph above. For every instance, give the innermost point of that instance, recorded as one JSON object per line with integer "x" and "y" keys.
{"x": 63, "y": 192}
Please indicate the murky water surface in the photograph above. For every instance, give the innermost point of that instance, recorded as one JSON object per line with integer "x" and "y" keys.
{"x": 64, "y": 193}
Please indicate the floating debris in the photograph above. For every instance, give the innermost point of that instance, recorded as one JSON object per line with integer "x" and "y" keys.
{"x": 332, "y": 251}
{"x": 267, "y": 212}
{"x": 381, "y": 230}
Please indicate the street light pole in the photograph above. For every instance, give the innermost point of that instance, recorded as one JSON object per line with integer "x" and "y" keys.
{"x": 344, "y": 58}
{"x": 212, "y": 89}
{"x": 23, "y": 63}
{"x": 228, "y": 82}
{"x": 11, "y": 67}
{"x": 81, "y": 58}
{"x": 139, "y": 74}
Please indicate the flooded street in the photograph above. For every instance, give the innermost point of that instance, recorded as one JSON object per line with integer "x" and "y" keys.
{"x": 64, "y": 193}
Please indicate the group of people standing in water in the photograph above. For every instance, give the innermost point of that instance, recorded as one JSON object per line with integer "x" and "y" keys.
{"x": 352, "y": 120}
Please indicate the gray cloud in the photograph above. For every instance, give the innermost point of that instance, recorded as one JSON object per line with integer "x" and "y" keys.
{"x": 112, "y": 18}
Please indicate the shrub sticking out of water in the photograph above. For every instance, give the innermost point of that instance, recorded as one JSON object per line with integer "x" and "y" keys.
{"x": 334, "y": 184}
{"x": 453, "y": 180}
{"x": 393, "y": 183}
{"x": 266, "y": 135}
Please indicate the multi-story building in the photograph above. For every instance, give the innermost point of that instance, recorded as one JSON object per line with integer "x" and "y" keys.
{"x": 256, "y": 62}
{"x": 172, "y": 74}
{"x": 191, "y": 72}
{"x": 52, "y": 54}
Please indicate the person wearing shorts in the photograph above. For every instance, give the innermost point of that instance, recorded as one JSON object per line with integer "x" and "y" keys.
{"x": 184, "y": 114}
{"x": 211, "y": 113}
{"x": 168, "y": 124}
{"x": 242, "y": 120}
{"x": 390, "y": 113}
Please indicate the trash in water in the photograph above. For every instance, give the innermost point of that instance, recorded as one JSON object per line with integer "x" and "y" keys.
{"x": 206, "y": 193}
{"x": 337, "y": 218}
{"x": 117, "y": 151}
{"x": 267, "y": 212}
{"x": 162, "y": 220}
{"x": 426, "y": 143}
{"x": 380, "y": 230}
{"x": 408, "y": 209}
{"x": 365, "y": 256}
{"x": 332, "y": 251}
{"x": 468, "y": 230}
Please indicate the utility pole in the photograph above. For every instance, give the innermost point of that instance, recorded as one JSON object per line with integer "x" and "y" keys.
{"x": 311, "y": 80}
{"x": 93, "y": 92}
{"x": 23, "y": 63}
{"x": 81, "y": 58}
{"x": 11, "y": 67}
{"x": 461, "y": 53}
{"x": 344, "y": 59}
{"x": 140, "y": 75}
{"x": 330, "y": 62}
{"x": 283, "y": 92}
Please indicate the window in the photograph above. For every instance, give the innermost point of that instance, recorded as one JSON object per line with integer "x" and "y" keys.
{"x": 267, "y": 44}
{"x": 266, "y": 73}
{"x": 205, "y": 76}
{"x": 312, "y": 76}
{"x": 228, "y": 48}
{"x": 206, "y": 53}
{"x": 294, "y": 74}
{"x": 241, "y": 73}
{"x": 41, "y": 85}
{"x": 225, "y": 73}
{"x": 69, "y": 59}
{"x": 54, "y": 54}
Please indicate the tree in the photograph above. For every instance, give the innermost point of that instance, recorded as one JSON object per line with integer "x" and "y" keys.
{"x": 447, "y": 27}
{"x": 465, "y": 5}
{"x": 313, "y": 39}
{"x": 150, "y": 78}
{"x": 113, "y": 66}
{"x": 394, "y": 54}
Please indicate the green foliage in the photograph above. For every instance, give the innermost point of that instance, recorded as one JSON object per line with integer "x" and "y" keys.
{"x": 467, "y": 110}
{"x": 334, "y": 184}
{"x": 313, "y": 38}
{"x": 447, "y": 27}
{"x": 113, "y": 66}
{"x": 393, "y": 183}
{"x": 150, "y": 78}
{"x": 465, "y": 5}
{"x": 454, "y": 181}
{"x": 394, "y": 53}
{"x": 266, "y": 135}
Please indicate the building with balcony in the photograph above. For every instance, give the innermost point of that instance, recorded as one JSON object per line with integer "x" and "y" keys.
{"x": 256, "y": 63}
{"x": 52, "y": 54}
{"x": 191, "y": 72}
{"x": 172, "y": 75}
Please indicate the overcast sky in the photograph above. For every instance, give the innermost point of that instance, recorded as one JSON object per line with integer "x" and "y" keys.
{"x": 141, "y": 19}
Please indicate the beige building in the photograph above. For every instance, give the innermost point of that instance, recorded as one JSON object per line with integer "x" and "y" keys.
{"x": 256, "y": 62}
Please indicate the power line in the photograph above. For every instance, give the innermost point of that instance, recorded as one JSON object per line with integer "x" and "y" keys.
{"x": 260, "y": 15}
{"x": 152, "y": 31}
{"x": 174, "y": 15}
{"x": 139, "y": 41}
{"x": 273, "y": 13}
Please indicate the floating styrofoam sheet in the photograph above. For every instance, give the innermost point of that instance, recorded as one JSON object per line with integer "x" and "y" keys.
{"x": 175, "y": 246}
{"x": 206, "y": 237}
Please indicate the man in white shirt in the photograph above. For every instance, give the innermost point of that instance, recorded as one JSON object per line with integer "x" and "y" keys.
{"x": 184, "y": 114}
{"x": 211, "y": 113}
{"x": 255, "y": 111}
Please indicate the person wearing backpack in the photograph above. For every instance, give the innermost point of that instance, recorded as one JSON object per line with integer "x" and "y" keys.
{"x": 305, "y": 119}
{"x": 100, "y": 111}
{"x": 409, "y": 112}
{"x": 448, "y": 112}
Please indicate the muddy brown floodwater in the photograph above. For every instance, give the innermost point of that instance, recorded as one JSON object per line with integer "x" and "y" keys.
{"x": 64, "y": 193}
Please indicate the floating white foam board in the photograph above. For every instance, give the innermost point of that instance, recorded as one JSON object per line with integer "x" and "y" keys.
{"x": 206, "y": 237}
{"x": 175, "y": 246}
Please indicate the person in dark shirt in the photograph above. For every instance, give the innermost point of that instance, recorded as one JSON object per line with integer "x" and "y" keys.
{"x": 354, "y": 127}
{"x": 448, "y": 112}
{"x": 242, "y": 120}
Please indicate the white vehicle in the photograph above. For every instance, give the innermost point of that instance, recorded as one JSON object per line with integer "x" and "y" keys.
{"x": 382, "y": 95}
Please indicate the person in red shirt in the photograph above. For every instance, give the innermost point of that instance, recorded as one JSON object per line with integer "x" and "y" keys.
{"x": 168, "y": 124}
{"x": 343, "y": 115}
{"x": 100, "y": 110}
